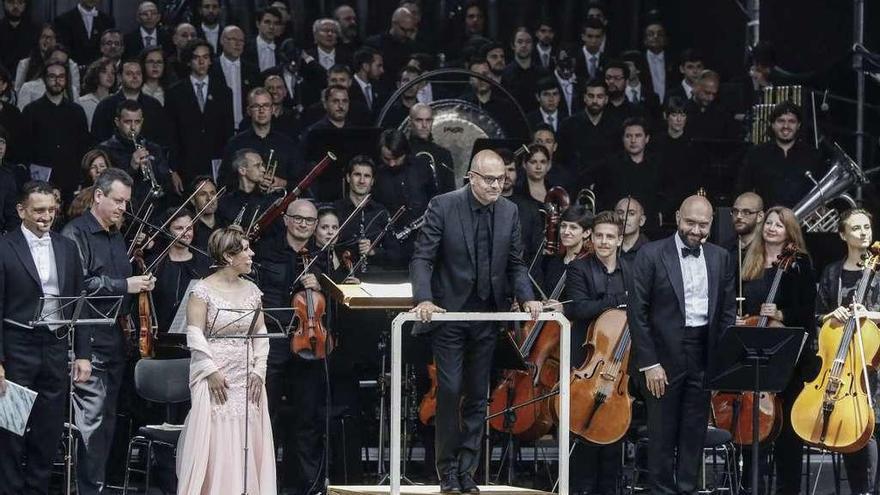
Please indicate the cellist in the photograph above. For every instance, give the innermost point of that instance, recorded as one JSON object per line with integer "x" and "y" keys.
{"x": 793, "y": 307}
{"x": 279, "y": 264}
{"x": 836, "y": 288}
{"x": 594, "y": 284}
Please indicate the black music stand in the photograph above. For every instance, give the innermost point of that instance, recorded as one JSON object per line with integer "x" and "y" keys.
{"x": 82, "y": 312}
{"x": 756, "y": 359}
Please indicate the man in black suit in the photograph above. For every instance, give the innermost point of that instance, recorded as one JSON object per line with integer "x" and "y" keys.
{"x": 570, "y": 89}
{"x": 35, "y": 262}
{"x": 549, "y": 110}
{"x": 396, "y": 45}
{"x": 657, "y": 63}
{"x": 80, "y": 30}
{"x": 587, "y": 138}
{"x": 590, "y": 58}
{"x": 545, "y": 48}
{"x": 210, "y": 28}
{"x": 200, "y": 109}
{"x": 148, "y": 32}
{"x": 240, "y": 76}
{"x": 681, "y": 302}
{"x": 264, "y": 50}
{"x": 368, "y": 66}
{"x": 473, "y": 275}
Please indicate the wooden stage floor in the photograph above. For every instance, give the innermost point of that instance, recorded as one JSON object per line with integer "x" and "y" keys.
{"x": 426, "y": 490}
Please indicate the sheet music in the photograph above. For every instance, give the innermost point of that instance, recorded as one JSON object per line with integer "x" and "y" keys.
{"x": 178, "y": 324}
{"x": 15, "y": 407}
{"x": 387, "y": 290}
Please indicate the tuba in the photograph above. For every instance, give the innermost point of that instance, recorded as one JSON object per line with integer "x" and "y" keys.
{"x": 814, "y": 211}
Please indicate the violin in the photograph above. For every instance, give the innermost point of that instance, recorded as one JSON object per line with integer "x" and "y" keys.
{"x": 834, "y": 411}
{"x": 601, "y": 407}
{"x": 310, "y": 340}
{"x": 148, "y": 325}
{"x": 428, "y": 405}
{"x": 515, "y": 400}
{"x": 733, "y": 411}
{"x": 556, "y": 202}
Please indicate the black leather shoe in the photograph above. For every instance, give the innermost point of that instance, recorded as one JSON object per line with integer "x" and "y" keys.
{"x": 449, "y": 483}
{"x": 468, "y": 485}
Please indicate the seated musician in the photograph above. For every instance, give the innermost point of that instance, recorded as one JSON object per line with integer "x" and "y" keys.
{"x": 328, "y": 225}
{"x": 575, "y": 226}
{"x": 535, "y": 164}
{"x": 792, "y": 307}
{"x": 175, "y": 271}
{"x": 837, "y": 286}
{"x": 248, "y": 197}
{"x": 594, "y": 284}
{"x": 209, "y": 221}
{"x": 530, "y": 219}
{"x": 632, "y": 215}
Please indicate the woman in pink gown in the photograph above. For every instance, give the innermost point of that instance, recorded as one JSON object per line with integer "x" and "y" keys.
{"x": 227, "y": 436}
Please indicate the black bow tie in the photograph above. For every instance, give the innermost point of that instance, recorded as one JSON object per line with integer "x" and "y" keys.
{"x": 689, "y": 251}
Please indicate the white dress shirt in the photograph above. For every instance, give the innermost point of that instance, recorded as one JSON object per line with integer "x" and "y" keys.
{"x": 232, "y": 74}
{"x": 695, "y": 278}
{"x": 88, "y": 18}
{"x": 154, "y": 37}
{"x": 551, "y": 119}
{"x": 544, "y": 55}
{"x": 426, "y": 94}
{"x": 592, "y": 60}
{"x": 266, "y": 54}
{"x": 47, "y": 269}
{"x": 634, "y": 93}
{"x": 326, "y": 59}
{"x": 212, "y": 35}
{"x": 367, "y": 90}
{"x": 195, "y": 85}
{"x": 688, "y": 90}
{"x": 567, "y": 86}
{"x": 657, "y": 64}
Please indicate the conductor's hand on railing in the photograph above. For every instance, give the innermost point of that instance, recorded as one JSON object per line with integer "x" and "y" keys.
{"x": 534, "y": 308}
{"x": 425, "y": 309}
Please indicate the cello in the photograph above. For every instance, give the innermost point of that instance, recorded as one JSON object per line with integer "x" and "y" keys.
{"x": 733, "y": 411}
{"x": 311, "y": 341}
{"x": 834, "y": 410}
{"x": 601, "y": 407}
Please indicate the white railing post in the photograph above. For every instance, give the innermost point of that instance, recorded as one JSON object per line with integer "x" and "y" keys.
{"x": 397, "y": 374}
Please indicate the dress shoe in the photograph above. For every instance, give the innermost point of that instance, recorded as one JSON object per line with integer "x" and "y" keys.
{"x": 449, "y": 483}
{"x": 468, "y": 485}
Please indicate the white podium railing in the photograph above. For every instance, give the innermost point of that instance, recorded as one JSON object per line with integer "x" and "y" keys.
{"x": 397, "y": 373}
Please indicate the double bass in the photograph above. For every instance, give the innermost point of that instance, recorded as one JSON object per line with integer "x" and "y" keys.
{"x": 733, "y": 411}
{"x": 311, "y": 340}
{"x": 834, "y": 410}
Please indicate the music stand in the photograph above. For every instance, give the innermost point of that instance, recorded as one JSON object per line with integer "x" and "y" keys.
{"x": 67, "y": 327}
{"x": 253, "y": 314}
{"x": 756, "y": 359}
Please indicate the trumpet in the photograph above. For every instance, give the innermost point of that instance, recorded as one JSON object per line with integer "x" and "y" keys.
{"x": 271, "y": 168}
{"x": 149, "y": 175}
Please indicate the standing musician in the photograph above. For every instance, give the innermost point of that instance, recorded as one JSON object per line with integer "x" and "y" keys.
{"x": 793, "y": 307}
{"x": 107, "y": 273}
{"x": 175, "y": 271}
{"x": 357, "y": 234}
{"x": 594, "y": 284}
{"x": 575, "y": 227}
{"x": 448, "y": 274}
{"x": 535, "y": 165}
{"x": 748, "y": 215}
{"x": 249, "y": 196}
{"x": 631, "y": 214}
{"x": 302, "y": 381}
{"x": 834, "y": 300}
{"x": 35, "y": 262}
{"x": 682, "y": 299}
{"x": 209, "y": 221}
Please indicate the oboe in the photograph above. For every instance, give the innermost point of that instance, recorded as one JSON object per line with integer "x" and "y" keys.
{"x": 363, "y": 235}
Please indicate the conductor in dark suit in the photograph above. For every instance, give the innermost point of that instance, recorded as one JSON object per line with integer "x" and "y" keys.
{"x": 200, "y": 108}
{"x": 35, "y": 262}
{"x": 682, "y": 300}
{"x": 475, "y": 275}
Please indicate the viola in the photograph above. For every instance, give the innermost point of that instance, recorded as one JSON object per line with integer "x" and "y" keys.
{"x": 428, "y": 405}
{"x": 833, "y": 411}
{"x": 601, "y": 407}
{"x": 310, "y": 340}
{"x": 733, "y": 411}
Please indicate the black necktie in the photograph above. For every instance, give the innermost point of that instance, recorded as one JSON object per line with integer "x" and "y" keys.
{"x": 484, "y": 263}
{"x": 689, "y": 251}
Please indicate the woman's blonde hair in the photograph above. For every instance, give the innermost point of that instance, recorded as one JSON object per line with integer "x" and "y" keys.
{"x": 225, "y": 241}
{"x": 753, "y": 264}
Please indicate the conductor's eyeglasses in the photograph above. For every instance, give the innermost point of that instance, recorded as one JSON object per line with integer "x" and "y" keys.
{"x": 302, "y": 220}
{"x": 489, "y": 180}
{"x": 736, "y": 212}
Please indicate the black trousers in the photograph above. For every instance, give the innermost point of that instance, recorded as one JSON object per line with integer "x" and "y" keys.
{"x": 788, "y": 450}
{"x": 861, "y": 466}
{"x": 677, "y": 425}
{"x": 35, "y": 359}
{"x": 463, "y": 354}
{"x": 595, "y": 469}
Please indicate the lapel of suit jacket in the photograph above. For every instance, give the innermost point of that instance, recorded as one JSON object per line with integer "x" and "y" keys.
{"x": 59, "y": 260}
{"x": 497, "y": 237}
{"x": 20, "y": 246}
{"x": 673, "y": 268}
{"x": 467, "y": 225}
{"x": 713, "y": 273}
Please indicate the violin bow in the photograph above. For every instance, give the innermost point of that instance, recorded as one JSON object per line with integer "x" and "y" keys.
{"x": 165, "y": 233}
{"x": 134, "y": 242}
{"x": 178, "y": 236}
{"x": 182, "y": 206}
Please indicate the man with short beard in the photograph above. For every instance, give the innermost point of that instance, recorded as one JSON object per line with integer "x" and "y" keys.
{"x": 55, "y": 131}
{"x": 17, "y": 33}
{"x": 210, "y": 28}
{"x": 587, "y": 138}
{"x": 708, "y": 117}
{"x": 775, "y": 169}
{"x": 396, "y": 44}
{"x": 748, "y": 216}
{"x": 131, "y": 83}
{"x": 421, "y": 122}
{"x": 348, "y": 27}
{"x": 616, "y": 75}
{"x": 482, "y": 95}
{"x": 521, "y": 76}
{"x": 494, "y": 54}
